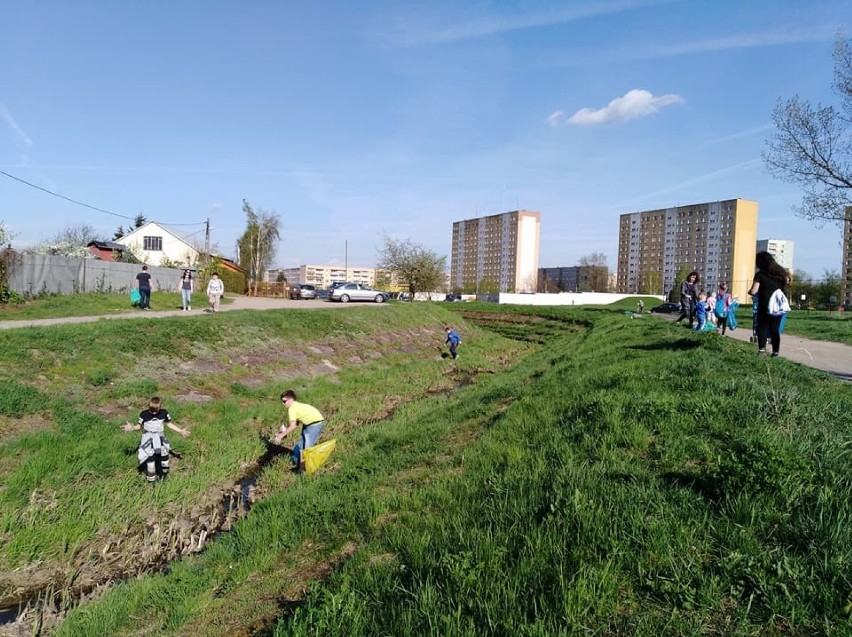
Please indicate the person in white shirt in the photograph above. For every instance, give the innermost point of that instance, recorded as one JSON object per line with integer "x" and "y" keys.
{"x": 215, "y": 290}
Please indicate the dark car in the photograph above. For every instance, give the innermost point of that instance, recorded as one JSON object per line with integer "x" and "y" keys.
{"x": 453, "y": 297}
{"x": 303, "y": 291}
{"x": 666, "y": 308}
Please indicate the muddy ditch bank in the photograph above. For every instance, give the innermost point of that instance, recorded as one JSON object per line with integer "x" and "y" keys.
{"x": 35, "y": 598}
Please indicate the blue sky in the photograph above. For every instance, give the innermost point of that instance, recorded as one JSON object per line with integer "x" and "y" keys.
{"x": 356, "y": 120}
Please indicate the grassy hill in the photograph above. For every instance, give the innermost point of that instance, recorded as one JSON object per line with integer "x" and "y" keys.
{"x": 575, "y": 472}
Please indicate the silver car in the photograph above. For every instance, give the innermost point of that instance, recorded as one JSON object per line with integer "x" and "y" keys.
{"x": 303, "y": 291}
{"x": 356, "y": 292}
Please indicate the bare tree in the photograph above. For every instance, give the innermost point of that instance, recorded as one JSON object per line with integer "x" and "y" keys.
{"x": 413, "y": 265}
{"x": 812, "y": 146}
{"x": 257, "y": 244}
{"x": 594, "y": 272}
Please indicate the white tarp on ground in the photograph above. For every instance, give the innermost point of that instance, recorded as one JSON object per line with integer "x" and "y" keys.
{"x": 34, "y": 274}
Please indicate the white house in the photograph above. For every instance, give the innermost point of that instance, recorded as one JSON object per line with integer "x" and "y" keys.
{"x": 156, "y": 244}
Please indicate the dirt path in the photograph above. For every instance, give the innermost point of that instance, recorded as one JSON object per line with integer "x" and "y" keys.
{"x": 238, "y": 303}
{"x": 834, "y": 358}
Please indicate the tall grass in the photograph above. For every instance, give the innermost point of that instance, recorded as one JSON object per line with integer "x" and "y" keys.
{"x": 626, "y": 479}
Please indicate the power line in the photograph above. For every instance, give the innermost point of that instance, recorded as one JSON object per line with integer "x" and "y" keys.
{"x": 85, "y": 205}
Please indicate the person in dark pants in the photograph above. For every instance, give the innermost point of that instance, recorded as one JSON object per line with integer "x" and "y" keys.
{"x": 453, "y": 339}
{"x": 143, "y": 282}
{"x": 770, "y": 276}
{"x": 688, "y": 297}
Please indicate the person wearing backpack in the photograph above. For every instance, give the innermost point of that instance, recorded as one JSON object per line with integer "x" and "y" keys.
{"x": 723, "y": 306}
{"x": 770, "y": 277}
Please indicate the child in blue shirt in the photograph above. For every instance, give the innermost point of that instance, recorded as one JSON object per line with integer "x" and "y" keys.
{"x": 701, "y": 312}
{"x": 453, "y": 339}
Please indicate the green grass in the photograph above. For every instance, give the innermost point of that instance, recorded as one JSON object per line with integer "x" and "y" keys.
{"x": 92, "y": 304}
{"x": 590, "y": 475}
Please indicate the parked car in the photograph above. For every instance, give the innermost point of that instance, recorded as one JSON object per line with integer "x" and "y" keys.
{"x": 303, "y": 291}
{"x": 666, "y": 308}
{"x": 453, "y": 297}
{"x": 356, "y": 292}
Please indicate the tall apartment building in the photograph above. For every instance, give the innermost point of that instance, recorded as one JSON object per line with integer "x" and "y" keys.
{"x": 716, "y": 239}
{"x": 497, "y": 253}
{"x": 780, "y": 249}
{"x": 846, "y": 266}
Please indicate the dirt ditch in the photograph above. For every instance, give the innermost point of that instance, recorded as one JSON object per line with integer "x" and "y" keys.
{"x": 35, "y": 598}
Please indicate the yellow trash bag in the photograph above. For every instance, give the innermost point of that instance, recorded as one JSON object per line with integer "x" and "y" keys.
{"x": 315, "y": 456}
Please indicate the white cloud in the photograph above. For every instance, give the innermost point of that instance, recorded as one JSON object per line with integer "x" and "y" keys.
{"x": 555, "y": 118}
{"x": 13, "y": 125}
{"x": 635, "y": 103}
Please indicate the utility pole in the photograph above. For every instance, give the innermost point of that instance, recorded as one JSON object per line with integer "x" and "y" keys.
{"x": 207, "y": 242}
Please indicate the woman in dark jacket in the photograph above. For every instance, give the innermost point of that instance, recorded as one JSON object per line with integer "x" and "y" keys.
{"x": 688, "y": 297}
{"x": 770, "y": 276}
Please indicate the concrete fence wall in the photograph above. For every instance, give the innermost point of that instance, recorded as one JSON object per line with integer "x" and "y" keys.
{"x": 34, "y": 274}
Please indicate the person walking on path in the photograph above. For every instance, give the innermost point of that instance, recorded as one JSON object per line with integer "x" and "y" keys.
{"x": 312, "y": 423}
{"x": 688, "y": 297}
{"x": 453, "y": 339}
{"x": 186, "y": 288}
{"x": 722, "y": 308}
{"x": 770, "y": 276}
{"x": 143, "y": 283}
{"x": 215, "y": 290}
{"x": 153, "y": 452}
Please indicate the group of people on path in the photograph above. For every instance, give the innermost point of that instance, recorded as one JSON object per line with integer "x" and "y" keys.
{"x": 716, "y": 308}
{"x": 215, "y": 290}
{"x": 154, "y": 449}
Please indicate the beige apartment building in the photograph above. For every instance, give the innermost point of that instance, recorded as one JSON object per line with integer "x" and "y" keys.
{"x": 716, "y": 239}
{"x": 497, "y": 253}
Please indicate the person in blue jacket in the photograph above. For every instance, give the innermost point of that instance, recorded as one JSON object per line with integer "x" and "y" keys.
{"x": 453, "y": 339}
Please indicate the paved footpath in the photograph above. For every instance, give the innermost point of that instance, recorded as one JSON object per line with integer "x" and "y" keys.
{"x": 834, "y": 358}
{"x": 237, "y": 303}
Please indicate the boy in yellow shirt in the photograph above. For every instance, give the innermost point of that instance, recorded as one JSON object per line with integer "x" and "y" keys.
{"x": 312, "y": 423}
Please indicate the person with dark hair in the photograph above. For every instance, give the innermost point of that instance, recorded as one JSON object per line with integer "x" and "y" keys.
{"x": 723, "y": 307}
{"x": 770, "y": 276}
{"x": 215, "y": 290}
{"x": 454, "y": 340}
{"x": 688, "y": 297}
{"x": 154, "y": 449}
{"x": 312, "y": 425}
{"x": 186, "y": 290}
{"x": 143, "y": 283}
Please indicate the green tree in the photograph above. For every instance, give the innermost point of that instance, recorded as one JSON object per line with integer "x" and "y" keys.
{"x": 828, "y": 287}
{"x": 811, "y": 145}
{"x": 257, "y": 244}
{"x": 652, "y": 282}
{"x": 800, "y": 284}
{"x": 413, "y": 265}
{"x": 138, "y": 222}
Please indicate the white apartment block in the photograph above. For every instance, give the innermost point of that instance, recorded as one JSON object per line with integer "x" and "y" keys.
{"x": 322, "y": 276}
{"x": 781, "y": 249}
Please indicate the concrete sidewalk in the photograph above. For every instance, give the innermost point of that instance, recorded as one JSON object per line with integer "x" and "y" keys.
{"x": 834, "y": 358}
